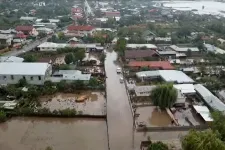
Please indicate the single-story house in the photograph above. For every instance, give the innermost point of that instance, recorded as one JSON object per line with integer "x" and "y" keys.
{"x": 194, "y": 50}
{"x": 168, "y": 54}
{"x": 173, "y": 76}
{"x": 79, "y": 31}
{"x": 112, "y": 14}
{"x": 141, "y": 54}
{"x": 6, "y": 39}
{"x": 144, "y": 91}
{"x": 140, "y": 46}
{"x": 214, "y": 49}
{"x": 28, "y": 18}
{"x": 211, "y": 100}
{"x": 45, "y": 30}
{"x": 154, "y": 65}
{"x": 34, "y": 73}
{"x": 69, "y": 75}
{"x": 27, "y": 30}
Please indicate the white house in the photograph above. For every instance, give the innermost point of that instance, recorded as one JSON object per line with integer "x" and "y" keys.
{"x": 45, "y": 30}
{"x": 6, "y": 39}
{"x": 34, "y": 73}
{"x": 50, "y": 46}
{"x": 11, "y": 59}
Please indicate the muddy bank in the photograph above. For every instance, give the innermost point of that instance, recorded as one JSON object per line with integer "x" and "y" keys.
{"x": 61, "y": 133}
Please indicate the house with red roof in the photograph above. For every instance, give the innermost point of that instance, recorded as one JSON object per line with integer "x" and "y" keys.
{"x": 141, "y": 55}
{"x": 152, "y": 65}
{"x": 80, "y": 31}
{"x": 27, "y": 30}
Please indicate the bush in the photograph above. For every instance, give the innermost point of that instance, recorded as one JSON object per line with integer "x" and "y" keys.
{"x": 2, "y": 116}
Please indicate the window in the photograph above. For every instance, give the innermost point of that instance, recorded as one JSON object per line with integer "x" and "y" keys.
{"x": 12, "y": 77}
{"x": 31, "y": 78}
{"x": 24, "y": 77}
{"x": 39, "y": 77}
{"x": 4, "y": 77}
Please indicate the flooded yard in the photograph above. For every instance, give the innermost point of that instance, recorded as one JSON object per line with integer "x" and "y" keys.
{"x": 92, "y": 103}
{"x": 151, "y": 117}
{"x": 59, "y": 133}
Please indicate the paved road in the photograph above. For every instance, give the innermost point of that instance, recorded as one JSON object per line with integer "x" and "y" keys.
{"x": 26, "y": 48}
{"x": 120, "y": 121}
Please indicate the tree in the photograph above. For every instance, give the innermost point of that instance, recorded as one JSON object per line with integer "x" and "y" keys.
{"x": 102, "y": 58}
{"x": 218, "y": 123}
{"x": 202, "y": 140}
{"x": 164, "y": 95}
{"x": 78, "y": 84}
{"x": 121, "y": 46}
{"x": 158, "y": 146}
{"x": 69, "y": 58}
{"x": 79, "y": 55}
{"x": 30, "y": 58}
{"x": 61, "y": 35}
{"x": 42, "y": 34}
{"x": 22, "y": 82}
{"x": 93, "y": 82}
{"x": 2, "y": 116}
{"x": 189, "y": 53}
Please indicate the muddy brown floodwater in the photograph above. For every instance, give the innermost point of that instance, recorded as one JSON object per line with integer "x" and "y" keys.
{"x": 119, "y": 116}
{"x": 60, "y": 133}
{"x": 94, "y": 103}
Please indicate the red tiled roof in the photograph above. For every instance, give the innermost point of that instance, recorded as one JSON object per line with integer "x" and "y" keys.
{"x": 152, "y": 64}
{"x": 24, "y": 28}
{"x": 139, "y": 53}
{"x": 80, "y": 28}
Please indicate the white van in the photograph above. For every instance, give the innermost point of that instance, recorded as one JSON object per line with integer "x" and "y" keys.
{"x": 118, "y": 70}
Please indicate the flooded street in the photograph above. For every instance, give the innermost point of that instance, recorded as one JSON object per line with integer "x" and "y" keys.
{"x": 120, "y": 121}
{"x": 59, "y": 133}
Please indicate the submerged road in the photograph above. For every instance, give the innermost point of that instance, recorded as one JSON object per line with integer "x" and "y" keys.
{"x": 119, "y": 116}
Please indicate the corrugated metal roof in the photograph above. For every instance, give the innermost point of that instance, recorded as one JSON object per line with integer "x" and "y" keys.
{"x": 23, "y": 68}
{"x": 152, "y": 64}
{"x": 209, "y": 98}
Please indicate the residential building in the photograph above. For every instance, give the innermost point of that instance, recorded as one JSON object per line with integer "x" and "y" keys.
{"x": 49, "y": 46}
{"x": 79, "y": 31}
{"x": 47, "y": 25}
{"x": 141, "y": 54}
{"x": 27, "y": 30}
{"x": 6, "y": 39}
{"x": 153, "y": 65}
{"x": 69, "y": 76}
{"x": 204, "y": 112}
{"x": 211, "y": 100}
{"x": 145, "y": 91}
{"x": 28, "y": 18}
{"x": 214, "y": 49}
{"x": 34, "y": 73}
{"x": 193, "y": 50}
{"x": 170, "y": 76}
{"x": 45, "y": 30}
{"x": 112, "y": 14}
{"x": 74, "y": 40}
{"x": 141, "y": 46}
{"x": 168, "y": 54}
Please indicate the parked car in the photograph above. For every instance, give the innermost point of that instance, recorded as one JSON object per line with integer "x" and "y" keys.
{"x": 118, "y": 70}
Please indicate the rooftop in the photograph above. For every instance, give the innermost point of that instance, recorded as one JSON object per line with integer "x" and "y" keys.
{"x": 152, "y": 64}
{"x": 209, "y": 98}
{"x": 24, "y": 28}
{"x": 149, "y": 46}
{"x": 80, "y": 28}
{"x": 167, "y": 75}
{"x": 185, "y": 88}
{"x": 23, "y": 68}
{"x": 139, "y": 53}
{"x": 5, "y": 36}
{"x": 183, "y": 49}
{"x": 11, "y": 59}
{"x": 204, "y": 112}
{"x": 72, "y": 75}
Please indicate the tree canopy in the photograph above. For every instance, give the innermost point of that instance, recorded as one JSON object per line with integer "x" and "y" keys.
{"x": 121, "y": 46}
{"x": 202, "y": 140}
{"x": 164, "y": 95}
{"x": 218, "y": 124}
{"x": 69, "y": 58}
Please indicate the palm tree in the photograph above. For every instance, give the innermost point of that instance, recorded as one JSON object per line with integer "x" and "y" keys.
{"x": 164, "y": 95}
